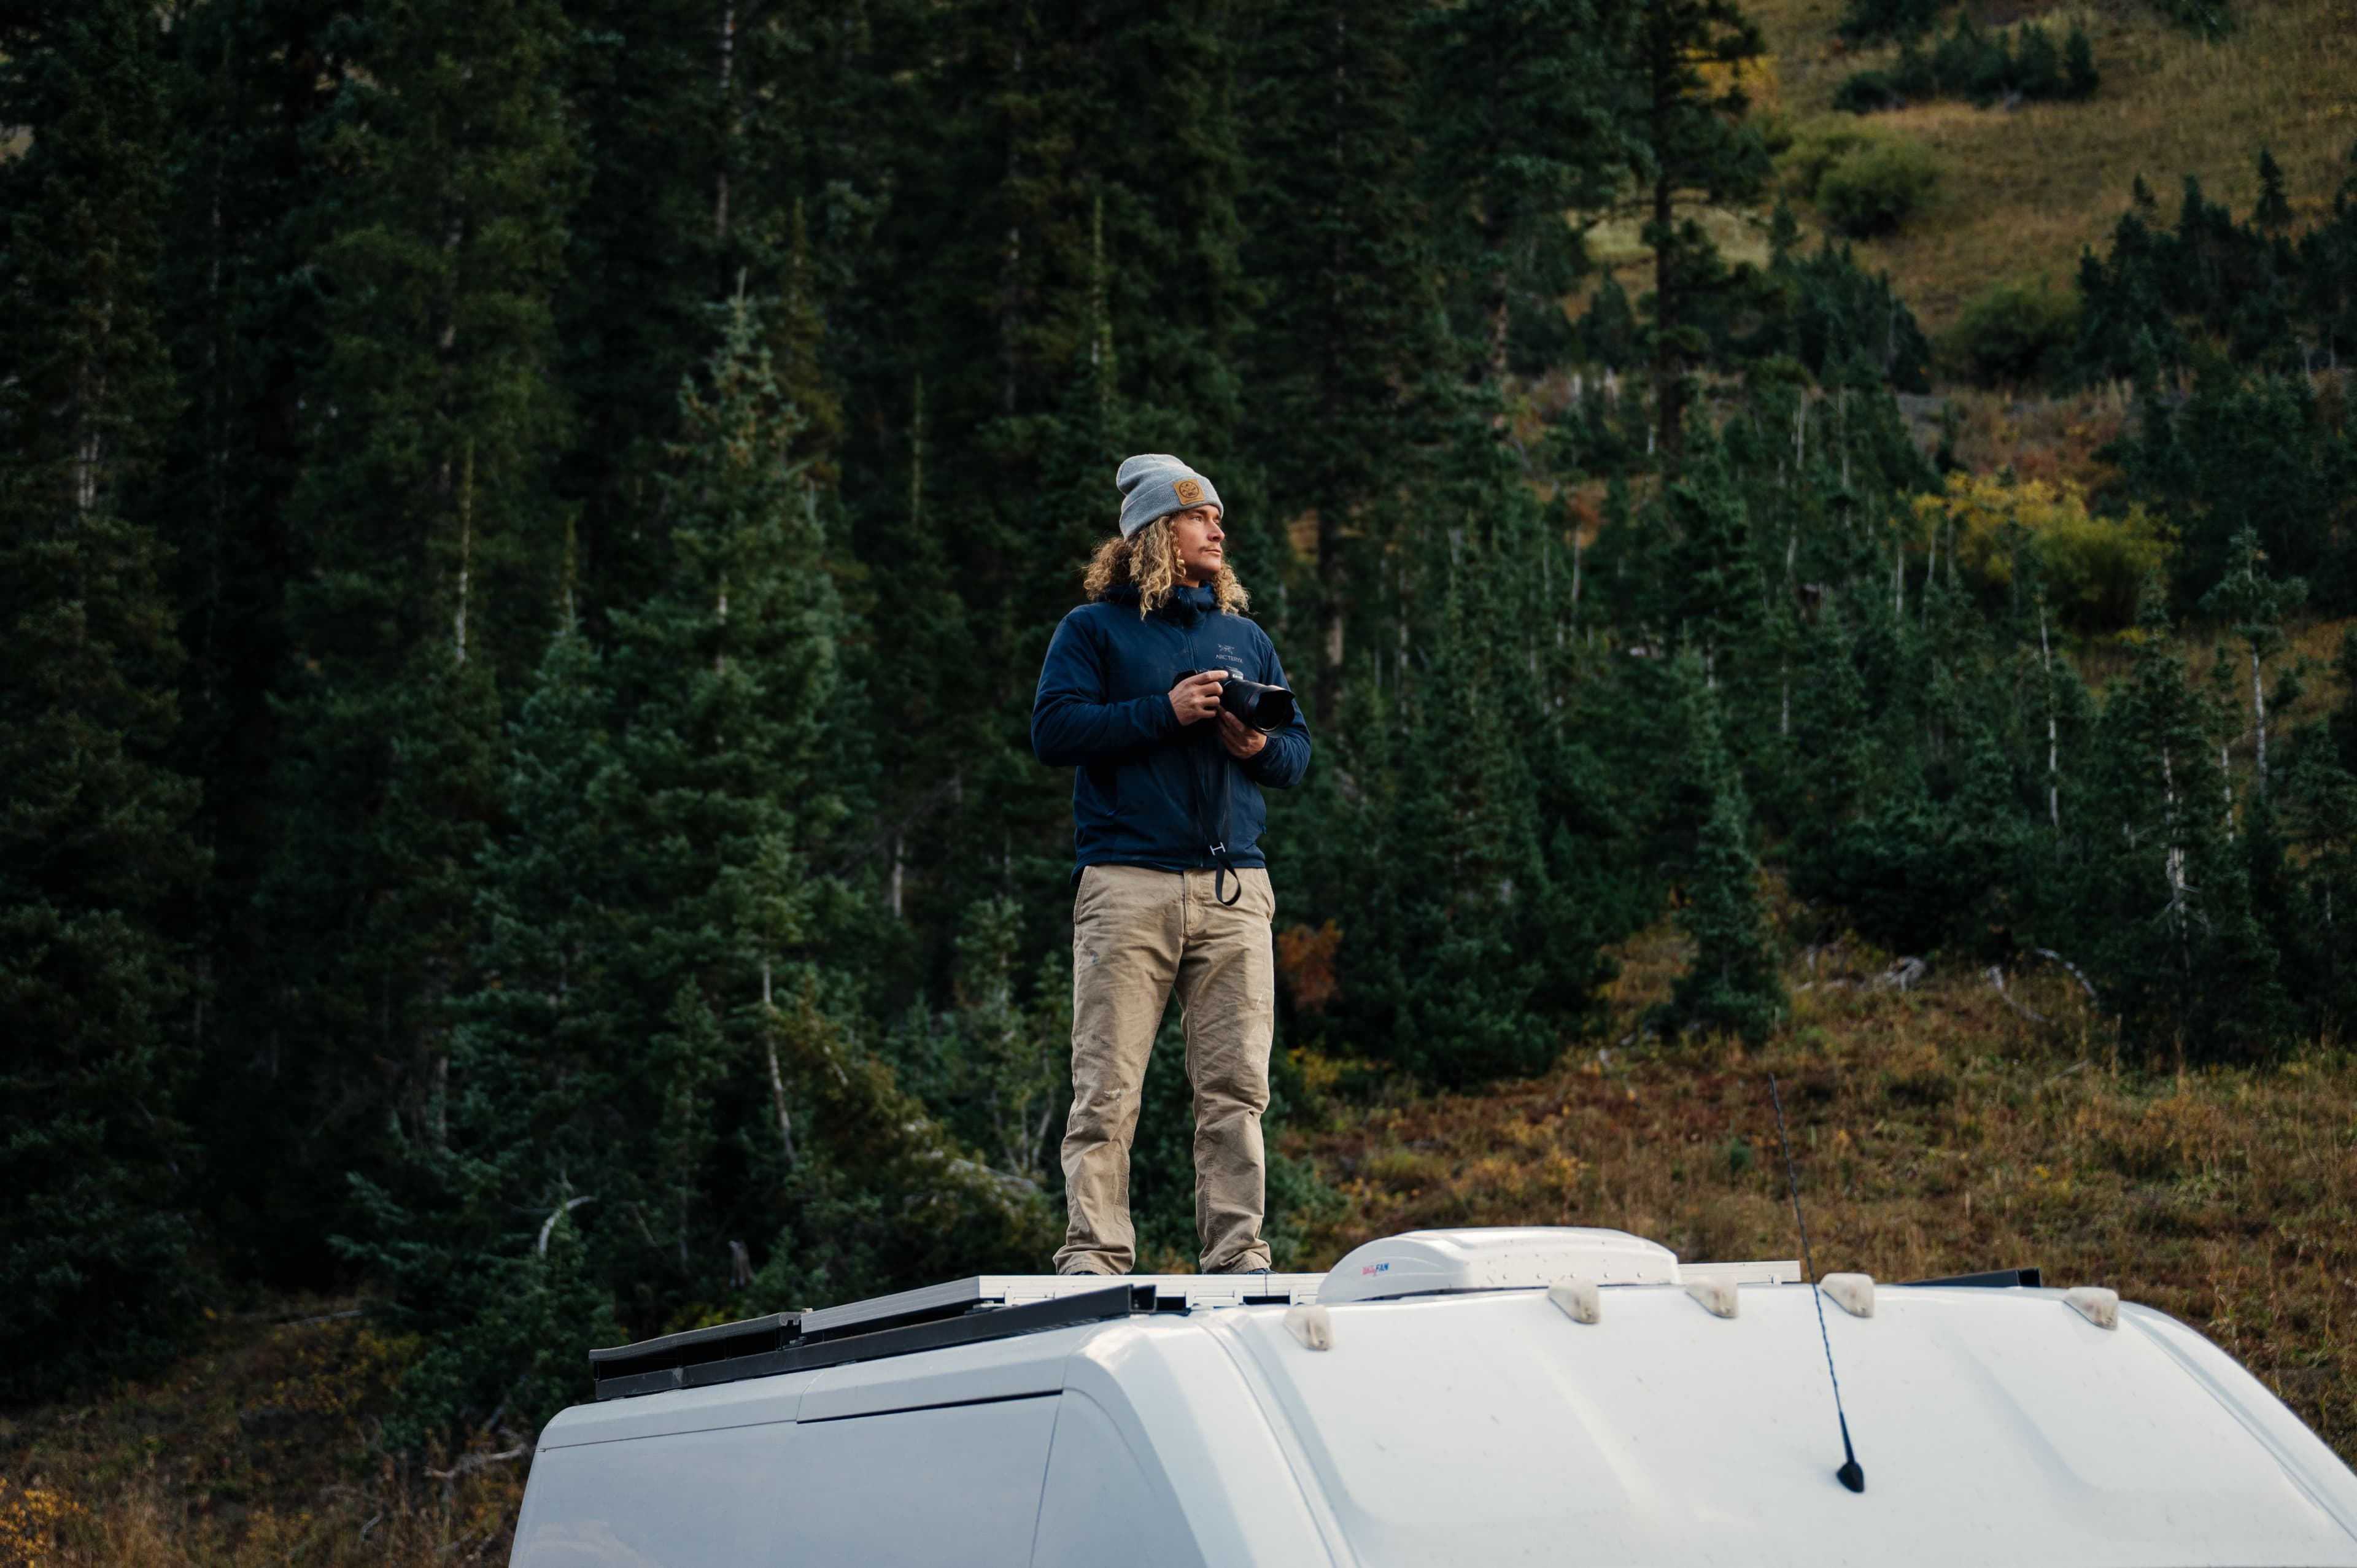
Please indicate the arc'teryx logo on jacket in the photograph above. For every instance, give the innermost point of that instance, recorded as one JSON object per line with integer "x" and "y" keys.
{"x": 1147, "y": 789}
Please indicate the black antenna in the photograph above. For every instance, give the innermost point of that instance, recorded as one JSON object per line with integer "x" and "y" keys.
{"x": 1849, "y": 1474}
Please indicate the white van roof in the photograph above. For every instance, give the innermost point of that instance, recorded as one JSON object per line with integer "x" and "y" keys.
{"x": 1464, "y": 1412}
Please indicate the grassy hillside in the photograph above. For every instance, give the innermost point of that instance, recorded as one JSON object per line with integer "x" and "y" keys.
{"x": 2024, "y": 189}
{"x": 1939, "y": 1129}
{"x": 257, "y": 1450}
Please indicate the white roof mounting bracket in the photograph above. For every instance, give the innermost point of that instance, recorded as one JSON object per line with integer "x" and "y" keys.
{"x": 1579, "y": 1299}
{"x": 2098, "y": 1305}
{"x": 1312, "y": 1325}
{"x": 1854, "y": 1294}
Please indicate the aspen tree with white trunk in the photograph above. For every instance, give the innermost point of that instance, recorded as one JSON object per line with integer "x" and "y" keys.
{"x": 2254, "y": 605}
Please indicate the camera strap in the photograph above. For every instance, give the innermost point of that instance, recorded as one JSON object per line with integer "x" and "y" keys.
{"x": 1216, "y": 838}
{"x": 1226, "y": 867}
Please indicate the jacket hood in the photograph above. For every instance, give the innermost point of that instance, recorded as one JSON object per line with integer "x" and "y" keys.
{"x": 1185, "y": 605}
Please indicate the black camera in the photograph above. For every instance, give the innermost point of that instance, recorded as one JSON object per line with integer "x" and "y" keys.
{"x": 1267, "y": 709}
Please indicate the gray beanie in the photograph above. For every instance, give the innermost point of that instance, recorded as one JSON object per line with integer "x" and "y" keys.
{"x": 1153, "y": 484}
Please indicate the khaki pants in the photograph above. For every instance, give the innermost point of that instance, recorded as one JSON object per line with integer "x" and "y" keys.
{"x": 1139, "y": 934}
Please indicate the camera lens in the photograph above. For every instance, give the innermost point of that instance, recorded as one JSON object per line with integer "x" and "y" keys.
{"x": 1266, "y": 708}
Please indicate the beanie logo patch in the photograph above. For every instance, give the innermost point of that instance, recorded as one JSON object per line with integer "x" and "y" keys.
{"x": 1188, "y": 491}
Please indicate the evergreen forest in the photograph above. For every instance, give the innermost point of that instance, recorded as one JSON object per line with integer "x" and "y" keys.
{"x": 528, "y": 530}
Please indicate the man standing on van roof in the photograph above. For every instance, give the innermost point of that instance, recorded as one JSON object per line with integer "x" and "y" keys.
{"x": 1171, "y": 891}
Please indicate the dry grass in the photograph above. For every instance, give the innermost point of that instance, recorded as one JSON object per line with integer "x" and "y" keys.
{"x": 1937, "y": 1132}
{"x": 1616, "y": 243}
{"x": 2054, "y": 439}
{"x": 2024, "y": 190}
{"x": 257, "y": 1451}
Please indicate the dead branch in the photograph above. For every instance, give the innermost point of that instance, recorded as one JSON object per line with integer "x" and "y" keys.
{"x": 474, "y": 1462}
{"x": 567, "y": 1206}
{"x": 2066, "y": 963}
{"x": 1996, "y": 981}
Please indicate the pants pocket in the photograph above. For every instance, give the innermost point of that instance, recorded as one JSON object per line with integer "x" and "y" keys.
{"x": 1261, "y": 894}
{"x": 1087, "y": 892}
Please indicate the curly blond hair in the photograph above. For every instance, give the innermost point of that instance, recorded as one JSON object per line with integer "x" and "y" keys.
{"x": 1148, "y": 561}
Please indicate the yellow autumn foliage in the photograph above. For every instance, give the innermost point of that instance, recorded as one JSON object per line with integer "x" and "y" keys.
{"x": 2093, "y": 567}
{"x": 29, "y": 1517}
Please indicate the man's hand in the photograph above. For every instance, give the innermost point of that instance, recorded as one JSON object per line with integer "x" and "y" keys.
{"x": 1197, "y": 696}
{"x": 1240, "y": 739}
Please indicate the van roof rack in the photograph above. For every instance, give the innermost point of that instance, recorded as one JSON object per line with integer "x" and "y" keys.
{"x": 1172, "y": 1293}
{"x": 962, "y": 1312}
{"x": 998, "y": 1306}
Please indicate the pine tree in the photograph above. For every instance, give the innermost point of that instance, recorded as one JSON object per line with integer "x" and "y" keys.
{"x": 2080, "y": 78}
{"x": 542, "y": 1071}
{"x": 725, "y": 683}
{"x": 1712, "y": 588}
{"x": 2242, "y": 454}
{"x": 1343, "y": 341}
{"x": 650, "y": 1069}
{"x": 1463, "y": 959}
{"x": 926, "y": 690}
{"x": 1607, "y": 330}
{"x": 1836, "y": 314}
{"x": 2037, "y": 72}
{"x": 670, "y": 925}
{"x": 2255, "y": 604}
{"x": 95, "y": 856}
{"x": 1830, "y": 739}
{"x": 238, "y": 303}
{"x": 2273, "y": 208}
{"x": 1689, "y": 143}
{"x": 1516, "y": 102}
{"x": 1083, "y": 445}
{"x": 1166, "y": 150}
{"x": 2327, "y": 259}
{"x": 2322, "y": 820}
{"x": 2181, "y": 956}
{"x": 993, "y": 1063}
{"x": 430, "y": 544}
{"x": 1035, "y": 115}
{"x": 645, "y": 257}
{"x": 1730, "y": 985}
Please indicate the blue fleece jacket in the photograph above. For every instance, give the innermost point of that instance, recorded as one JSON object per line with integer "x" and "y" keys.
{"x": 1147, "y": 790}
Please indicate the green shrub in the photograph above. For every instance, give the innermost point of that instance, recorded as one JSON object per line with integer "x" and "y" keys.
{"x": 2014, "y": 333}
{"x": 1814, "y": 145}
{"x": 1876, "y": 188}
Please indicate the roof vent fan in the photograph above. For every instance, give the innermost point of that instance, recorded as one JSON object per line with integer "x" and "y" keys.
{"x": 1429, "y": 1262}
